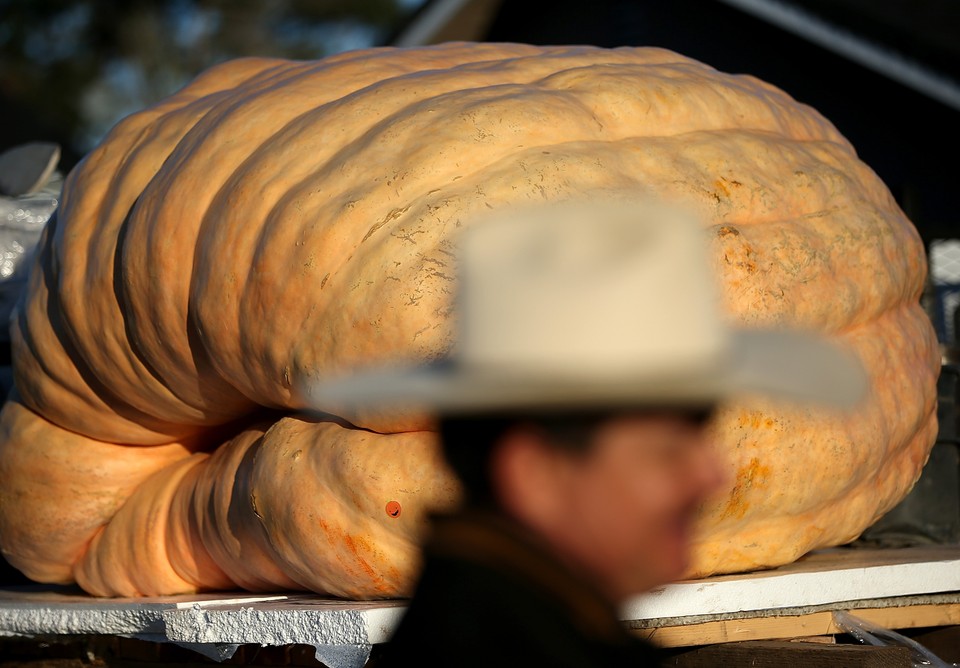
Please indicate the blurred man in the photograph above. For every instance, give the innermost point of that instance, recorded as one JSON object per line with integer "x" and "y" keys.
{"x": 574, "y": 409}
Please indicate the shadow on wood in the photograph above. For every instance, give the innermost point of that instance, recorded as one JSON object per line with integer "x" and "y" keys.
{"x": 775, "y": 653}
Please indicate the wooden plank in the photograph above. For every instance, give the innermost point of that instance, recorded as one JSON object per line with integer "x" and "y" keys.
{"x": 823, "y": 640}
{"x": 943, "y": 641}
{"x": 767, "y": 654}
{"x": 814, "y": 624}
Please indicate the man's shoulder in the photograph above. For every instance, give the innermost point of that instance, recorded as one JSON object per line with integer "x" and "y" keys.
{"x": 466, "y": 614}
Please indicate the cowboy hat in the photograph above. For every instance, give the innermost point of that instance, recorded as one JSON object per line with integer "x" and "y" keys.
{"x": 596, "y": 305}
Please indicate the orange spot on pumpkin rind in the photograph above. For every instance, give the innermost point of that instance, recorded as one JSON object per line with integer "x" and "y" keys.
{"x": 393, "y": 509}
{"x": 755, "y": 420}
{"x": 753, "y": 474}
{"x": 357, "y": 546}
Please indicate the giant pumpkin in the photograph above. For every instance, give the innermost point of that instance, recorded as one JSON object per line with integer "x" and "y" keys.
{"x": 275, "y": 223}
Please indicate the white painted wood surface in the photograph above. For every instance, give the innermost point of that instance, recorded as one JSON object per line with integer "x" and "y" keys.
{"x": 823, "y": 578}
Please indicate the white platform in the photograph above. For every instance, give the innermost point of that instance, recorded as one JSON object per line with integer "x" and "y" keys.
{"x": 822, "y": 578}
{"x": 343, "y": 632}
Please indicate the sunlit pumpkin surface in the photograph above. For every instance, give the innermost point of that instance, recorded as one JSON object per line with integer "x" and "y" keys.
{"x": 277, "y": 222}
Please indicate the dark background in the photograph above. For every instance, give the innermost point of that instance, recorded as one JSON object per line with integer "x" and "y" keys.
{"x": 909, "y": 139}
{"x": 64, "y": 63}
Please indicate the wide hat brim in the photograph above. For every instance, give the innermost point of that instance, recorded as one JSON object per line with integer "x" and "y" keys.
{"x": 781, "y": 364}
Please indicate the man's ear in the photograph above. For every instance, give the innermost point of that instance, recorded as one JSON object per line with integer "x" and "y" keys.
{"x": 527, "y": 475}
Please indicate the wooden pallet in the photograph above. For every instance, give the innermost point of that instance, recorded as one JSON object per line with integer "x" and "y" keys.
{"x": 780, "y": 654}
{"x": 898, "y": 614}
{"x": 785, "y": 616}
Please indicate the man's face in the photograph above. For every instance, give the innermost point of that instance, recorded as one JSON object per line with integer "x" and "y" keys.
{"x": 630, "y": 500}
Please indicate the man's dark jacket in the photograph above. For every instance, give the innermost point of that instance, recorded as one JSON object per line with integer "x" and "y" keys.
{"x": 492, "y": 595}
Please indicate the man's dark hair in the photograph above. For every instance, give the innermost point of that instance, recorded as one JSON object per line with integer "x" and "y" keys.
{"x": 468, "y": 441}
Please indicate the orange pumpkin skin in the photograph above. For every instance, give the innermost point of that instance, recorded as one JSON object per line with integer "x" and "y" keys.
{"x": 293, "y": 505}
{"x": 58, "y": 489}
{"x": 275, "y": 223}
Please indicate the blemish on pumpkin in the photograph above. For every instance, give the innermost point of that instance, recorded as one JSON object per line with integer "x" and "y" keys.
{"x": 323, "y": 281}
{"x": 297, "y": 455}
{"x": 393, "y": 509}
{"x": 393, "y": 573}
{"x": 743, "y": 256}
{"x": 408, "y": 236}
{"x": 754, "y": 474}
{"x": 393, "y": 215}
{"x": 351, "y": 543}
